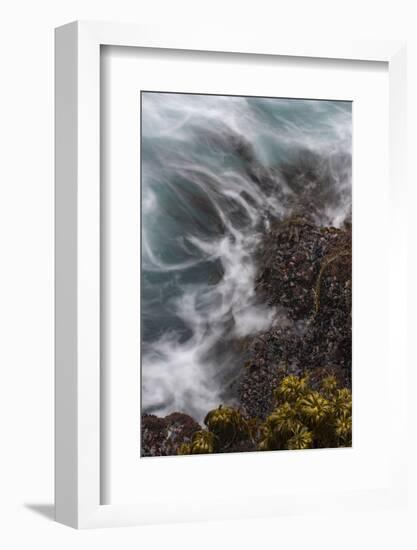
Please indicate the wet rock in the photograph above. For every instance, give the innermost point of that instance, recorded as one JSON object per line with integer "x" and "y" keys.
{"x": 305, "y": 273}
{"x": 290, "y": 260}
{"x": 163, "y": 436}
{"x": 305, "y": 269}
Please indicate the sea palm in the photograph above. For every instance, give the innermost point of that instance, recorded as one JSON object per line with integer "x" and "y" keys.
{"x": 291, "y": 388}
{"x": 343, "y": 429}
{"x": 267, "y": 442}
{"x": 302, "y": 438}
{"x": 342, "y": 402}
{"x": 314, "y": 408}
{"x": 184, "y": 449}
{"x": 329, "y": 385}
{"x": 284, "y": 418}
{"x": 279, "y": 426}
{"x": 203, "y": 442}
{"x": 227, "y": 424}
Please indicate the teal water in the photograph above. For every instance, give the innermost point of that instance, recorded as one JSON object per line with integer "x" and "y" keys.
{"x": 215, "y": 171}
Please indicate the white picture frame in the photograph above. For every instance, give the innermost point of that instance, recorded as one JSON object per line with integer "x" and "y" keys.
{"x": 78, "y": 407}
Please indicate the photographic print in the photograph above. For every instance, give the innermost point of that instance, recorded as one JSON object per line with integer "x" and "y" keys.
{"x": 246, "y": 279}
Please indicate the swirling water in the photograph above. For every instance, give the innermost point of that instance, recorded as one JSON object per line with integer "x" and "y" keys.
{"x": 215, "y": 171}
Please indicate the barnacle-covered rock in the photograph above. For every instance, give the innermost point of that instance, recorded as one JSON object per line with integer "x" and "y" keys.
{"x": 303, "y": 418}
{"x": 295, "y": 261}
{"x": 305, "y": 272}
{"x": 256, "y": 389}
{"x": 294, "y": 390}
{"x": 163, "y": 436}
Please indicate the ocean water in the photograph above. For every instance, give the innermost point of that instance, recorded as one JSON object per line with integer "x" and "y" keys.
{"x": 215, "y": 171}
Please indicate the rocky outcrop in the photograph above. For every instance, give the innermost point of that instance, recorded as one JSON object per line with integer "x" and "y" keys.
{"x": 163, "y": 436}
{"x": 304, "y": 270}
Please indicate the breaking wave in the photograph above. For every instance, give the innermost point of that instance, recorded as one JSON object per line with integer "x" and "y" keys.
{"x": 215, "y": 171}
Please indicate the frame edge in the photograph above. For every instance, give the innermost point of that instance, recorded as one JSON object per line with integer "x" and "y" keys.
{"x": 66, "y": 345}
{"x": 77, "y": 488}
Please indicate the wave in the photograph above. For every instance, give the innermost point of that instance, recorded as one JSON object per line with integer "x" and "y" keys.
{"x": 215, "y": 171}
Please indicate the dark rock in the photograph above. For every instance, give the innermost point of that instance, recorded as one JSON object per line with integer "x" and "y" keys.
{"x": 305, "y": 272}
{"x": 163, "y": 436}
{"x": 305, "y": 269}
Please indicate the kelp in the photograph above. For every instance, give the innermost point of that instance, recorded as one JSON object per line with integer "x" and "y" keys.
{"x": 293, "y": 392}
{"x": 306, "y": 418}
{"x": 303, "y": 418}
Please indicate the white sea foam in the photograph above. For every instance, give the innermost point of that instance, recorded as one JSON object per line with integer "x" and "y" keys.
{"x": 210, "y": 183}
